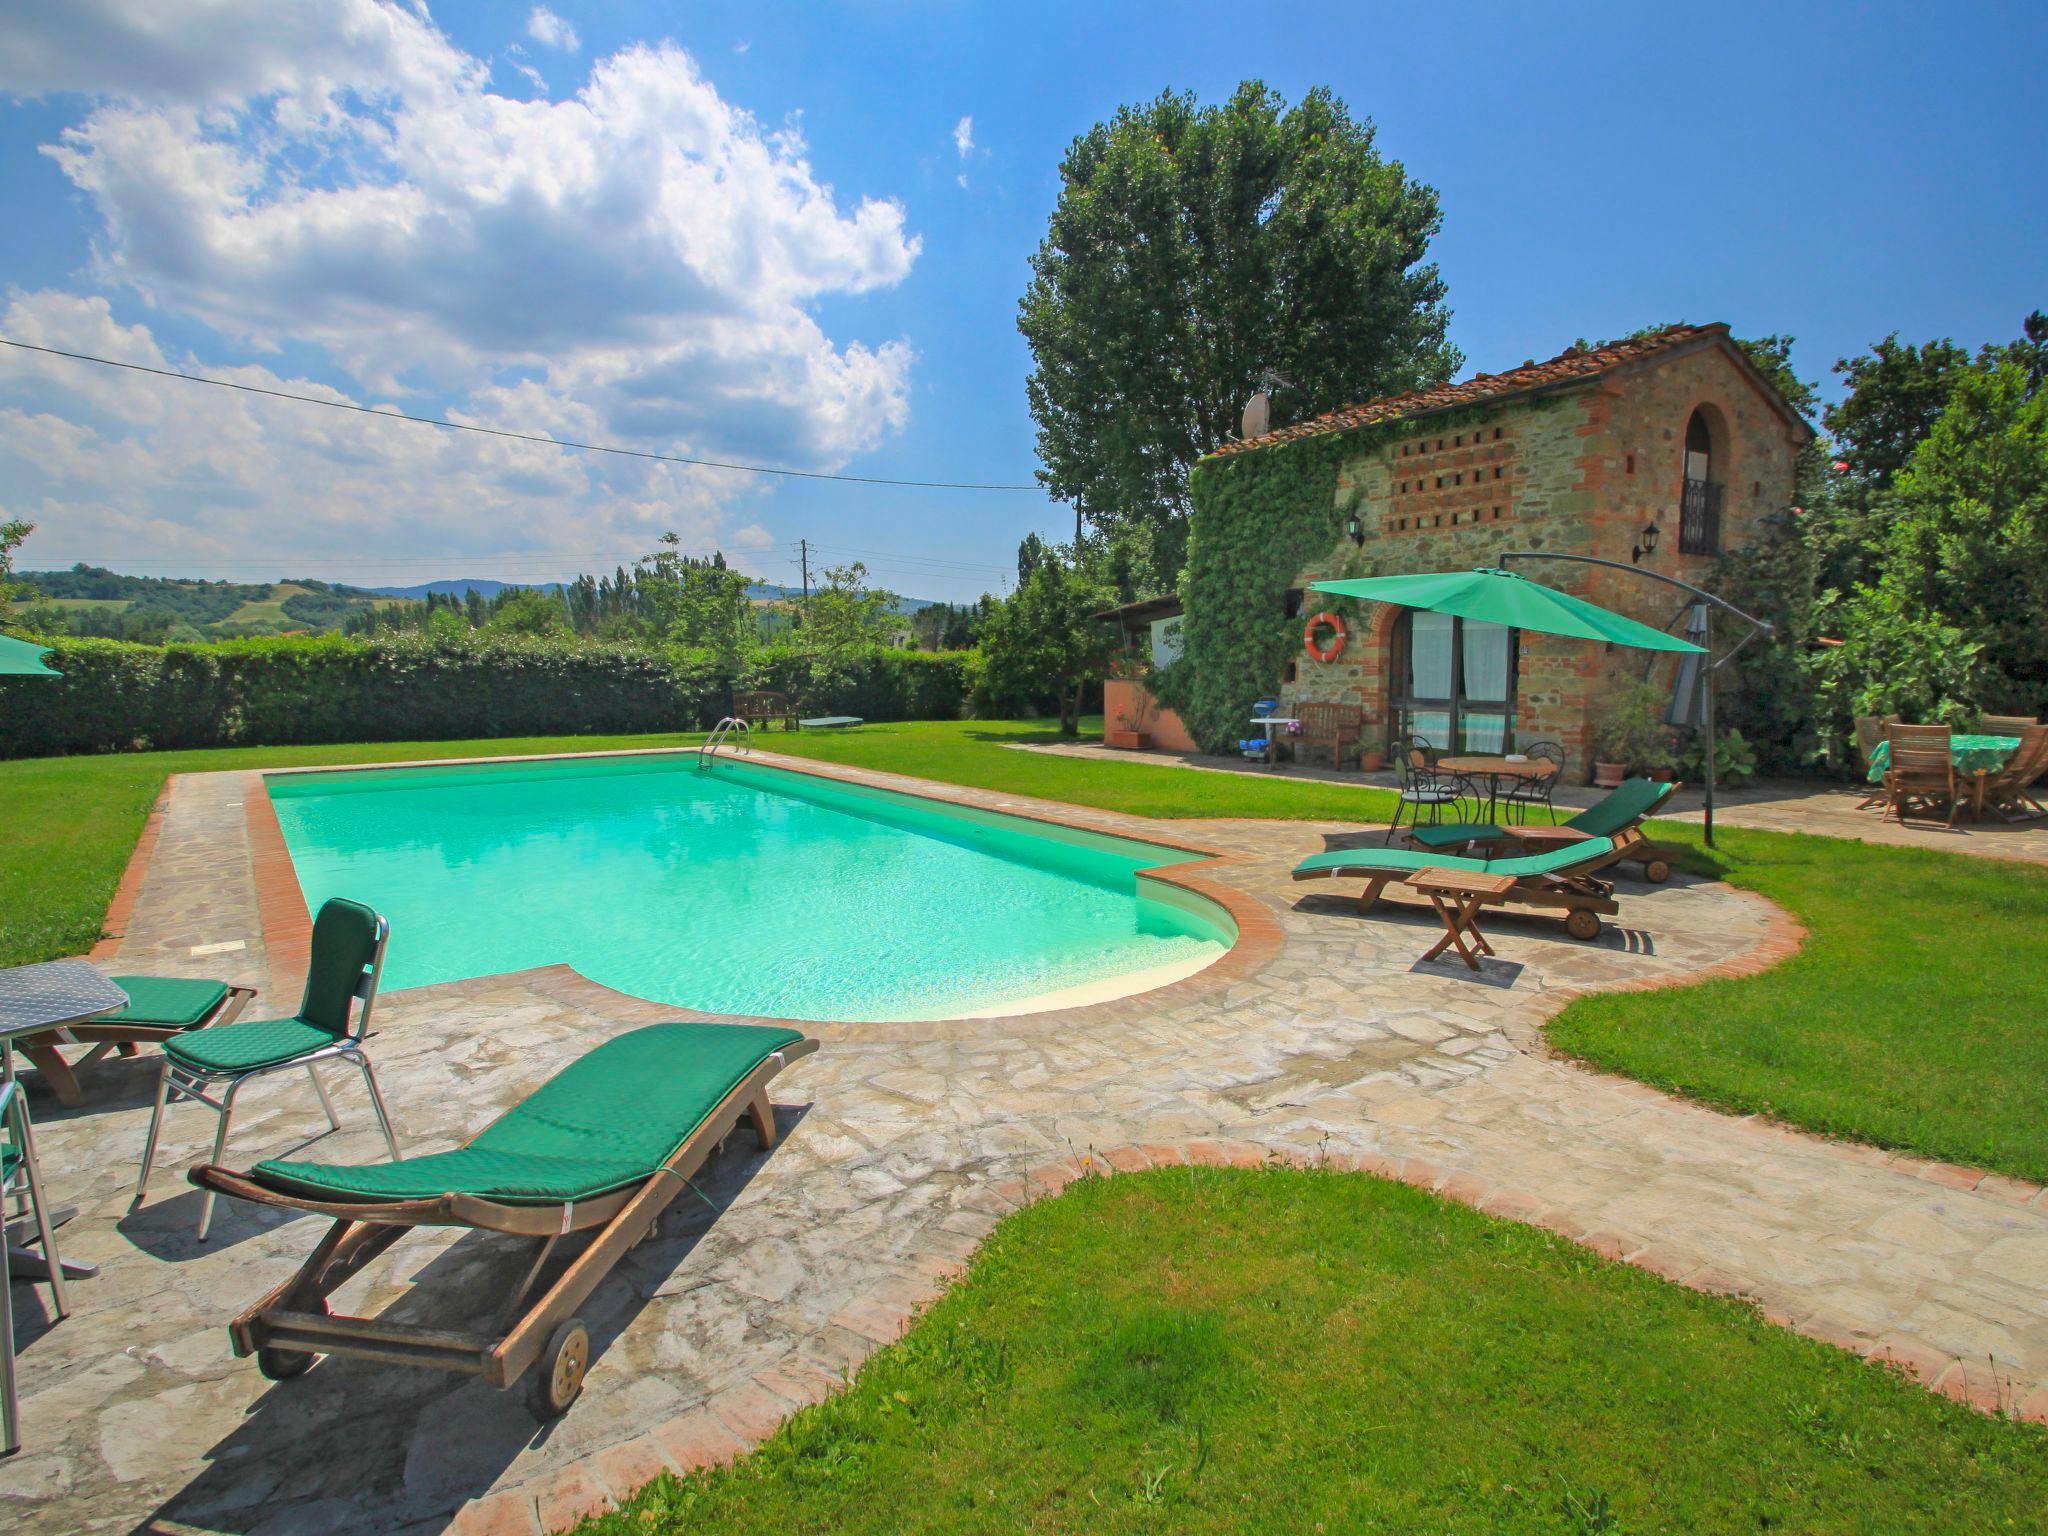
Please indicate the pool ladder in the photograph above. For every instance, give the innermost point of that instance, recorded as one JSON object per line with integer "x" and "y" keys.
{"x": 723, "y": 733}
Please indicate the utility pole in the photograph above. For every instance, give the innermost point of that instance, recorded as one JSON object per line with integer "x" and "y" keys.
{"x": 803, "y": 556}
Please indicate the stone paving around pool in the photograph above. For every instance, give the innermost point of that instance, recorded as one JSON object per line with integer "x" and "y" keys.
{"x": 1322, "y": 1038}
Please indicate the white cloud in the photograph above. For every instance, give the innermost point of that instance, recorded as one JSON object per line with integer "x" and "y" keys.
{"x": 963, "y": 144}
{"x": 637, "y": 262}
{"x": 752, "y": 536}
{"x": 117, "y": 467}
{"x": 550, "y": 31}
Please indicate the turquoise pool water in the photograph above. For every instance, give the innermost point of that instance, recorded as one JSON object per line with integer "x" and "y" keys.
{"x": 744, "y": 889}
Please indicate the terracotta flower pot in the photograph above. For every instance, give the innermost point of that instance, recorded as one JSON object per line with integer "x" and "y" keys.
{"x": 1370, "y": 761}
{"x": 1608, "y": 775}
{"x": 1128, "y": 741}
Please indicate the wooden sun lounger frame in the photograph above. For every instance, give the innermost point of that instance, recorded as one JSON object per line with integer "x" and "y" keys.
{"x": 291, "y": 1324}
{"x": 1574, "y": 891}
{"x": 1536, "y": 837}
{"x": 62, "y": 1075}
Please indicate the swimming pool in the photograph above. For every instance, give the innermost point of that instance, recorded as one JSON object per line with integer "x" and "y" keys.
{"x": 742, "y": 889}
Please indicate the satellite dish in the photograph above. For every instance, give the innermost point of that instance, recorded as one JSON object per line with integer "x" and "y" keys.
{"x": 1258, "y": 416}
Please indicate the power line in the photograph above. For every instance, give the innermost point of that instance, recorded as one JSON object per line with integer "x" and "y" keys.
{"x": 520, "y": 437}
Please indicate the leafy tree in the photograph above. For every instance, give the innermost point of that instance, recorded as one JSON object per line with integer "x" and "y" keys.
{"x": 695, "y": 602}
{"x": 1199, "y": 253}
{"x": 1044, "y": 641}
{"x": 525, "y": 611}
{"x": 1894, "y": 395}
{"x": 1032, "y": 552}
{"x": 1968, "y": 518}
{"x": 845, "y": 614}
{"x": 13, "y": 533}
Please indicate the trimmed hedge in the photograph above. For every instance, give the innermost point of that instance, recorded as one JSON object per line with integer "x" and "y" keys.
{"x": 118, "y": 697}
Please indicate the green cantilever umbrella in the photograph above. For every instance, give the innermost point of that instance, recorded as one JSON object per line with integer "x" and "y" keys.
{"x": 24, "y": 658}
{"x": 1502, "y": 597}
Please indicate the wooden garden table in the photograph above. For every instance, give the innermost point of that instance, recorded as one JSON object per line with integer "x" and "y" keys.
{"x": 1457, "y": 896}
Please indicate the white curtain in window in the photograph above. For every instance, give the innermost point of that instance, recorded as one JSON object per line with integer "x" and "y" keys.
{"x": 1484, "y": 733}
{"x": 1433, "y": 726}
{"x": 1429, "y": 655}
{"x": 1486, "y": 661}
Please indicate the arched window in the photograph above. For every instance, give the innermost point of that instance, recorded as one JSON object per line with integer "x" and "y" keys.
{"x": 1699, "y": 511}
{"x": 1454, "y": 681}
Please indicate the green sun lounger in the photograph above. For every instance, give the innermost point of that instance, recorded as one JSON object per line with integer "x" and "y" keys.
{"x": 1626, "y": 806}
{"x": 1561, "y": 877}
{"x": 605, "y": 1144}
{"x": 159, "y": 1008}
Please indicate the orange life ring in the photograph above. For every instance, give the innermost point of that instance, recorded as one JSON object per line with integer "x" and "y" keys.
{"x": 1338, "y": 635}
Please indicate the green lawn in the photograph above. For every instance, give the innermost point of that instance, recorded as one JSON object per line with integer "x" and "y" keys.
{"x": 1306, "y": 1351}
{"x": 1916, "y": 1017}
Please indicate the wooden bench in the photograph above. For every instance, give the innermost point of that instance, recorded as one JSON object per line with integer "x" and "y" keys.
{"x": 1329, "y": 725}
{"x": 763, "y": 705}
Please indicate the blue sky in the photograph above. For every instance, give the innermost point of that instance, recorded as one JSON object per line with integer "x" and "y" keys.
{"x": 387, "y": 205}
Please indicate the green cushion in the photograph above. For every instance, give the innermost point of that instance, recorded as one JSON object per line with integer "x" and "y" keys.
{"x": 606, "y": 1121}
{"x": 1452, "y": 834}
{"x": 247, "y": 1044}
{"x": 1409, "y": 860}
{"x": 1623, "y": 807}
{"x": 344, "y": 944}
{"x": 167, "y": 1001}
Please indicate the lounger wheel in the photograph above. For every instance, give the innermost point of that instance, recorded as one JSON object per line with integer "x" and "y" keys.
{"x": 283, "y": 1364}
{"x": 1581, "y": 924}
{"x": 558, "y": 1374}
{"x": 1657, "y": 871}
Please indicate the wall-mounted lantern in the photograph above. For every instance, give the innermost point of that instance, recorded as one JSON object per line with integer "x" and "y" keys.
{"x": 1356, "y": 529}
{"x": 1646, "y": 543}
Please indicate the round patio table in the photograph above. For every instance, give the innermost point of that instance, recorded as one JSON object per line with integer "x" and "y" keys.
{"x": 34, "y": 1000}
{"x": 1493, "y": 770}
{"x": 1972, "y": 754}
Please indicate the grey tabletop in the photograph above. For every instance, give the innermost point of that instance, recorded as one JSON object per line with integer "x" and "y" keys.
{"x": 56, "y": 992}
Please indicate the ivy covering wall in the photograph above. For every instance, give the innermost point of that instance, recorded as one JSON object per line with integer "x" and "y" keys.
{"x": 1258, "y": 519}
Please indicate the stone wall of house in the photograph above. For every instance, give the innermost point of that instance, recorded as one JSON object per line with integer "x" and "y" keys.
{"x": 1579, "y": 472}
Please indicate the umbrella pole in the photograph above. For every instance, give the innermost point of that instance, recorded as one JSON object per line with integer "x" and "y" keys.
{"x": 1707, "y": 716}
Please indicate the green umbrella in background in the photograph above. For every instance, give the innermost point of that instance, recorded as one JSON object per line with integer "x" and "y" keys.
{"x": 24, "y": 658}
{"x": 1502, "y": 597}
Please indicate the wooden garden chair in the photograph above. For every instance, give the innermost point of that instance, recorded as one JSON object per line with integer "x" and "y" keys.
{"x": 1921, "y": 772}
{"x": 1869, "y": 733}
{"x": 2010, "y": 791}
{"x": 602, "y": 1147}
{"x": 1623, "y": 808}
{"x": 2004, "y": 725}
{"x": 1330, "y": 725}
{"x": 763, "y": 705}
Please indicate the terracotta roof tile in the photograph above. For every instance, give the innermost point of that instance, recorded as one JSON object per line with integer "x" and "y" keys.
{"x": 1568, "y": 367}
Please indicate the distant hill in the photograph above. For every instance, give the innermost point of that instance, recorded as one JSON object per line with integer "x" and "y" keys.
{"x": 96, "y": 601}
{"x": 760, "y": 591}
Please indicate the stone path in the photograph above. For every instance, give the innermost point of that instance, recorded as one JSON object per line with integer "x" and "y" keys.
{"x": 903, "y": 1146}
{"x": 1826, "y": 810}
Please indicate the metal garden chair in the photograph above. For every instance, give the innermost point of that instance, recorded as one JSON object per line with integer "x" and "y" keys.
{"x": 1422, "y": 785}
{"x": 1524, "y": 795}
{"x": 346, "y": 964}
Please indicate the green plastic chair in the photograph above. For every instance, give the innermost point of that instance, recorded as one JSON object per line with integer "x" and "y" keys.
{"x": 347, "y": 963}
